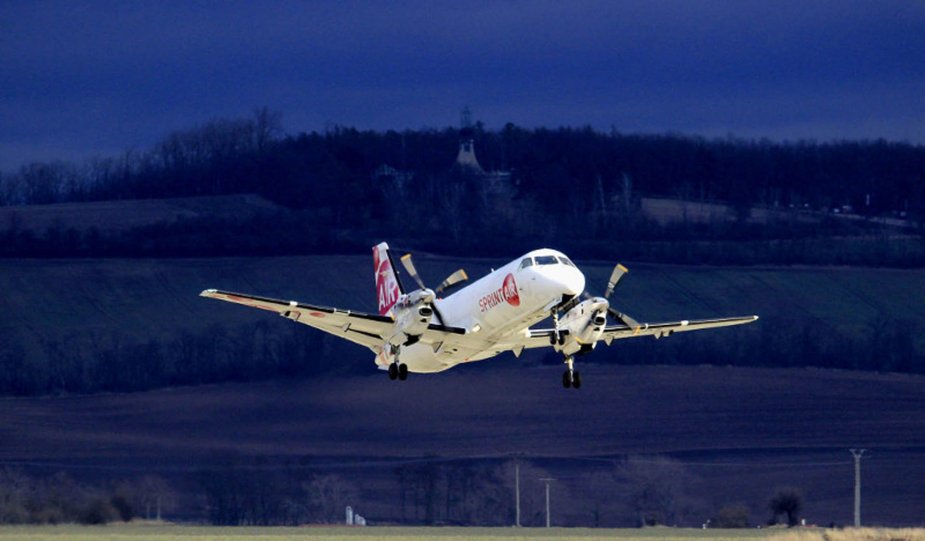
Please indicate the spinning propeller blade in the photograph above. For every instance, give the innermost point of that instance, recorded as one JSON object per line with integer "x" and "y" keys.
{"x": 452, "y": 280}
{"x": 409, "y": 266}
{"x": 615, "y": 277}
{"x": 618, "y": 272}
{"x": 623, "y": 318}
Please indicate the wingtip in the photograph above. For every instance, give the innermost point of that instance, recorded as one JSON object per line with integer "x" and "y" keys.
{"x": 208, "y": 292}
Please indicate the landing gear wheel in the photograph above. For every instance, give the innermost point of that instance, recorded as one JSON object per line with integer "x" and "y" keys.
{"x": 403, "y": 371}
{"x": 566, "y": 379}
{"x": 393, "y": 371}
{"x": 561, "y": 339}
{"x": 576, "y": 379}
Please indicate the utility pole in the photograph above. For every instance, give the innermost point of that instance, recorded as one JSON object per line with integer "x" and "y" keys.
{"x": 517, "y": 492}
{"x": 857, "y": 453}
{"x": 547, "y": 481}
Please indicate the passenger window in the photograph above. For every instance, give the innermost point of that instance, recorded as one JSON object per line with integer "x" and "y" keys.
{"x": 527, "y": 262}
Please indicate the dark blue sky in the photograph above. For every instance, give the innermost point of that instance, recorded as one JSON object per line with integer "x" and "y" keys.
{"x": 79, "y": 79}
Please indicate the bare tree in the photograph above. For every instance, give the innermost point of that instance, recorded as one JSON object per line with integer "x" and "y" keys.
{"x": 657, "y": 489}
{"x": 731, "y": 516}
{"x": 15, "y": 490}
{"x": 328, "y": 495}
{"x": 268, "y": 127}
{"x": 154, "y": 495}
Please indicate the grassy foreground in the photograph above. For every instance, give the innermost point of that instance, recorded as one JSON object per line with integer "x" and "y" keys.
{"x": 206, "y": 533}
{"x": 162, "y": 532}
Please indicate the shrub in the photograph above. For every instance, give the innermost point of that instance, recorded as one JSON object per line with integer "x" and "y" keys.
{"x": 731, "y": 516}
{"x": 97, "y": 511}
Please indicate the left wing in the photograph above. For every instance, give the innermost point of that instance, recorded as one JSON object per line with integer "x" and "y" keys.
{"x": 535, "y": 338}
{"x": 368, "y": 330}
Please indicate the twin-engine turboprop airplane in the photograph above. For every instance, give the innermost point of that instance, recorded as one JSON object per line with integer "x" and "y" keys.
{"x": 418, "y": 331}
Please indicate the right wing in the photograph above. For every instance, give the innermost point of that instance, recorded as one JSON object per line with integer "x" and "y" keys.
{"x": 370, "y": 330}
{"x": 617, "y": 332}
{"x": 534, "y": 338}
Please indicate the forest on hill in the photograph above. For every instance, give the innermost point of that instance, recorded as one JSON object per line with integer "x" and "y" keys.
{"x": 340, "y": 189}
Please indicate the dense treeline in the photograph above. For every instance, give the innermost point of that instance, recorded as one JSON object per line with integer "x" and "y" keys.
{"x": 271, "y": 491}
{"x": 59, "y": 498}
{"x": 334, "y": 169}
{"x": 578, "y": 184}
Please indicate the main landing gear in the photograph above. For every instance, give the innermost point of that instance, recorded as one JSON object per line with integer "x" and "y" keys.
{"x": 397, "y": 370}
{"x": 571, "y": 377}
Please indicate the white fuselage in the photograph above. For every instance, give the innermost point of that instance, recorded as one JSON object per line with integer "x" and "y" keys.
{"x": 504, "y": 303}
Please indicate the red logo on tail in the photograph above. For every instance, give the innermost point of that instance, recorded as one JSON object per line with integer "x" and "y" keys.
{"x": 386, "y": 284}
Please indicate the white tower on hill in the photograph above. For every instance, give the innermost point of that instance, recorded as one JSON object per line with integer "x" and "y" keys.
{"x": 466, "y": 156}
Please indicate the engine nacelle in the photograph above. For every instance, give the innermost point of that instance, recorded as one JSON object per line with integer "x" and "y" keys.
{"x": 412, "y": 314}
{"x": 585, "y": 324}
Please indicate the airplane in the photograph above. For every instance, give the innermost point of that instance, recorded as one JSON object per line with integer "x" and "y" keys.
{"x": 420, "y": 331}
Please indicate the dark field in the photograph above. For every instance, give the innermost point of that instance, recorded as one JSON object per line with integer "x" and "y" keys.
{"x": 740, "y": 432}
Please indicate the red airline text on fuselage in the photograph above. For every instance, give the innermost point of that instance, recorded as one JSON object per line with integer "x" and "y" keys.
{"x": 506, "y": 293}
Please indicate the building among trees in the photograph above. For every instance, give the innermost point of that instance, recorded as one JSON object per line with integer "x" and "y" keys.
{"x": 466, "y": 160}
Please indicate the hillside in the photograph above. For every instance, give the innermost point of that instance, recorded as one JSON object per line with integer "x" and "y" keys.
{"x": 66, "y": 320}
{"x": 739, "y": 432}
{"x": 124, "y": 214}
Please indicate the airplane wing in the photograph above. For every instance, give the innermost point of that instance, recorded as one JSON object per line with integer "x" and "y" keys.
{"x": 368, "y": 330}
{"x": 540, "y": 337}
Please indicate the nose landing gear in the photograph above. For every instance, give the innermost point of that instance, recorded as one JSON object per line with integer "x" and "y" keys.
{"x": 556, "y": 337}
{"x": 571, "y": 377}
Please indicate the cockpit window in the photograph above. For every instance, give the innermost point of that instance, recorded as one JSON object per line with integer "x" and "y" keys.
{"x": 566, "y": 261}
{"x": 546, "y": 260}
{"x": 527, "y": 262}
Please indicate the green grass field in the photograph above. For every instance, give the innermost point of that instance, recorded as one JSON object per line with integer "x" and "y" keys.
{"x": 204, "y": 533}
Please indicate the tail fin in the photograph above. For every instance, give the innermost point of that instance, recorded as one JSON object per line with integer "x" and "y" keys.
{"x": 388, "y": 286}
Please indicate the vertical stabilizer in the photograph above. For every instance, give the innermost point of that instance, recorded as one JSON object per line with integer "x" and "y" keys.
{"x": 388, "y": 287}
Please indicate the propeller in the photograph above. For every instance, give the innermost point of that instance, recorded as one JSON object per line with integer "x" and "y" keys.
{"x": 618, "y": 272}
{"x": 615, "y": 278}
{"x": 450, "y": 281}
{"x": 413, "y": 272}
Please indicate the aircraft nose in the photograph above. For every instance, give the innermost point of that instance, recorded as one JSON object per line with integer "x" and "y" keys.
{"x": 570, "y": 280}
